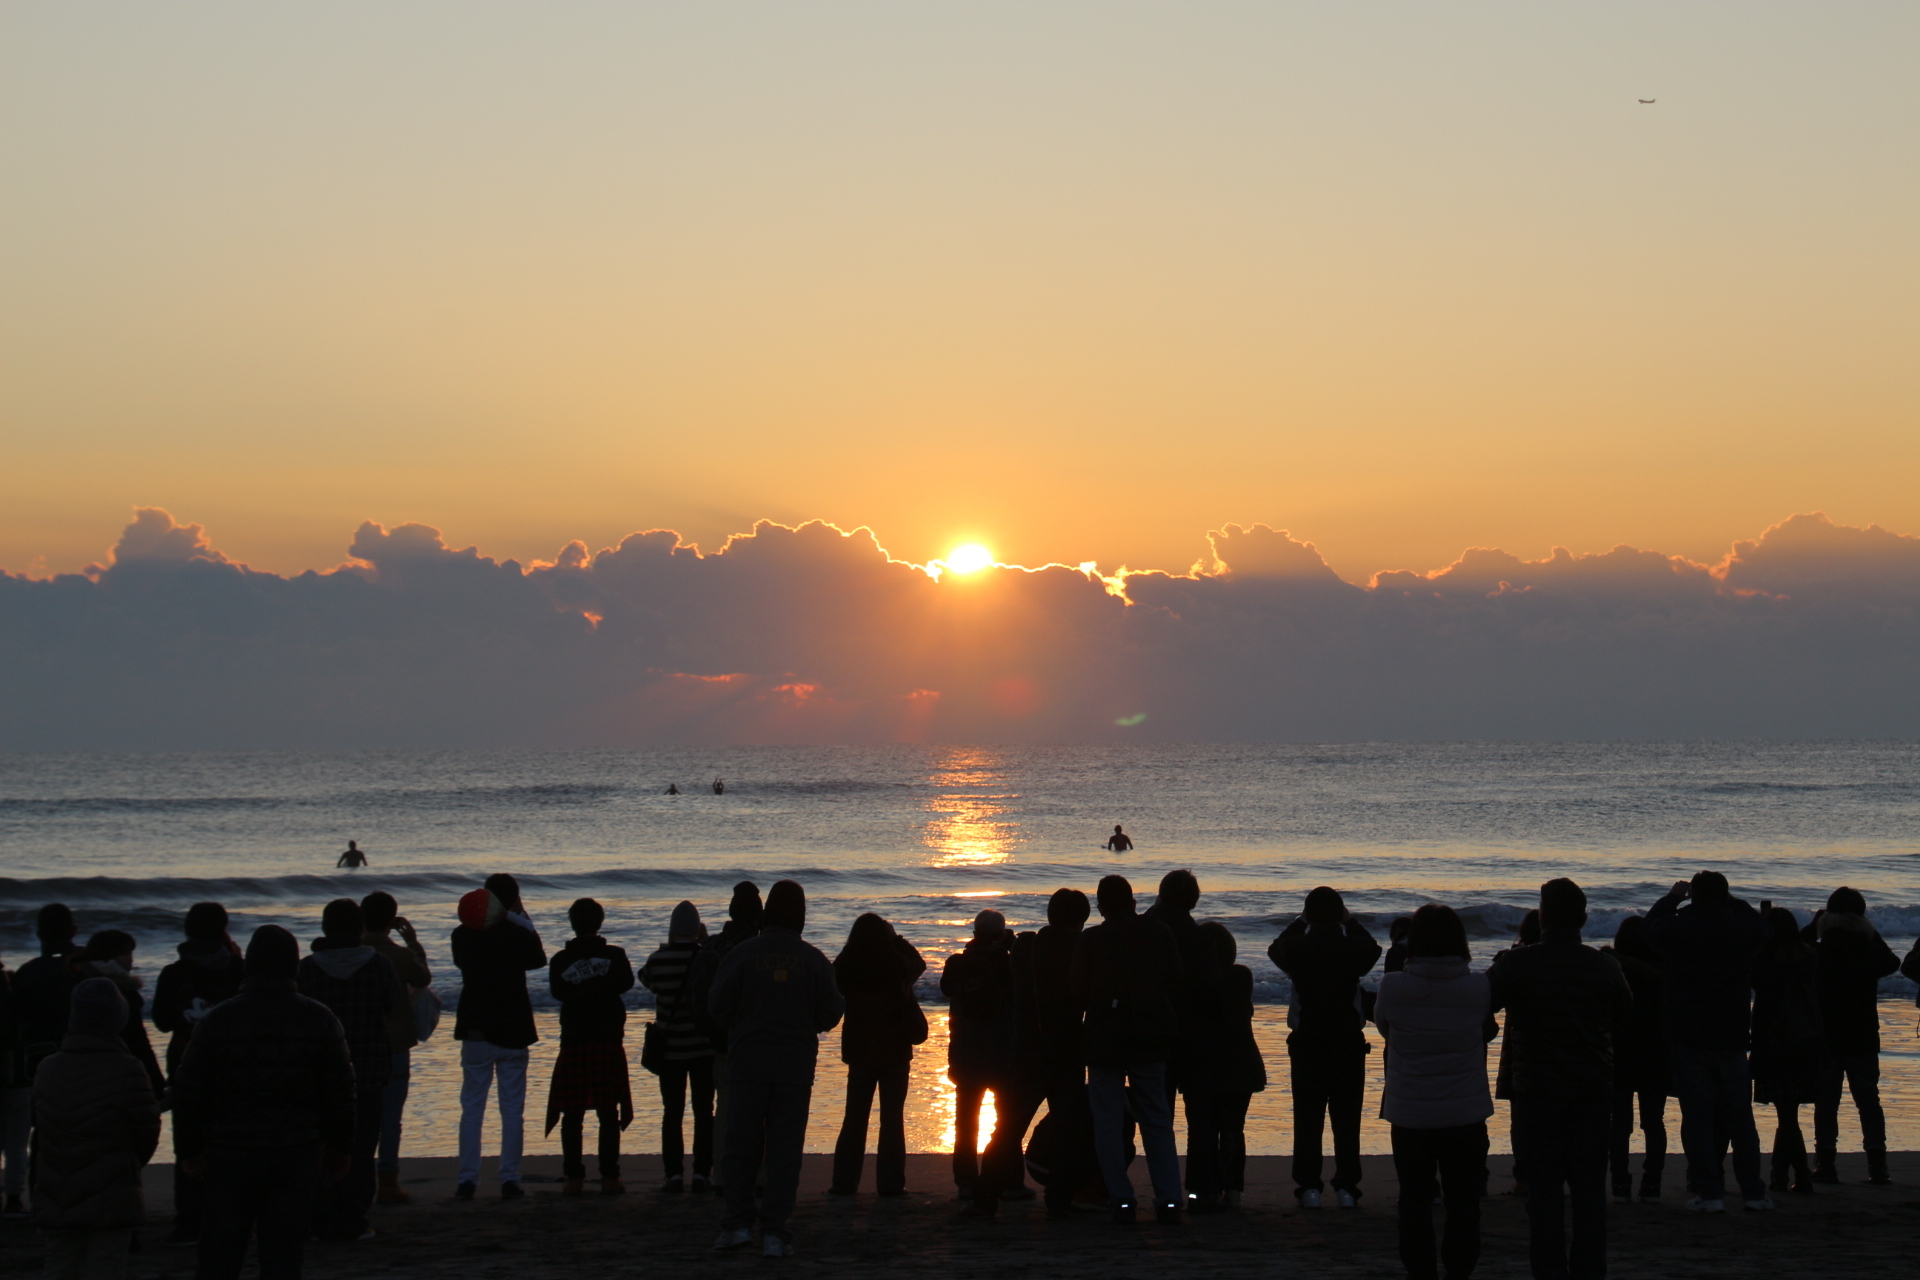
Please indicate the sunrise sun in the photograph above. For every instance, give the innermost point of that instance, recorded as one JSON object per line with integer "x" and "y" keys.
{"x": 970, "y": 557}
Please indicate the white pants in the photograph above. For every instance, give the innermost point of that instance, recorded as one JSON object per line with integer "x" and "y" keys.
{"x": 480, "y": 1062}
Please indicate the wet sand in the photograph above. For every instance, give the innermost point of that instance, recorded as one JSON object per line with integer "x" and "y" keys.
{"x": 1852, "y": 1230}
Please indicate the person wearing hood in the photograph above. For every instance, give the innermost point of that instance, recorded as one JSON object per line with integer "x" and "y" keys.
{"x": 1640, "y": 1068}
{"x": 97, "y": 1125}
{"x": 207, "y": 972}
{"x": 1189, "y": 1070}
{"x": 360, "y": 986}
{"x": 776, "y": 996}
{"x": 743, "y": 922}
{"x": 37, "y": 1004}
{"x": 686, "y": 1054}
{"x": 381, "y": 918}
{"x": 1434, "y": 1013}
{"x": 263, "y": 1106}
{"x": 1788, "y": 1047}
{"x": 978, "y": 985}
{"x": 494, "y": 948}
{"x": 1853, "y": 959}
{"x": 109, "y": 954}
{"x": 1049, "y": 1032}
{"x": 590, "y": 978}
{"x": 1326, "y": 952}
{"x": 875, "y": 973}
{"x": 1236, "y": 1071}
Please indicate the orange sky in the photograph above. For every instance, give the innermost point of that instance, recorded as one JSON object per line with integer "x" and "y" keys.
{"x": 1076, "y": 281}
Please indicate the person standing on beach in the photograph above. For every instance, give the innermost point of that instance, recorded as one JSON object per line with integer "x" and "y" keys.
{"x": 207, "y": 972}
{"x": 875, "y": 972}
{"x": 743, "y": 922}
{"x": 1789, "y": 1049}
{"x": 1641, "y": 1071}
{"x": 39, "y": 1001}
{"x": 494, "y": 948}
{"x": 590, "y": 978}
{"x": 109, "y": 954}
{"x": 1564, "y": 1001}
{"x": 1326, "y": 952}
{"x": 360, "y": 986}
{"x": 1707, "y": 950}
{"x": 777, "y": 996}
{"x": 1235, "y": 1069}
{"x": 686, "y": 1058}
{"x": 381, "y": 918}
{"x": 1189, "y": 1070}
{"x": 1126, "y": 976}
{"x": 1853, "y": 959}
{"x": 978, "y": 985}
{"x": 1050, "y": 1042}
{"x": 264, "y": 1108}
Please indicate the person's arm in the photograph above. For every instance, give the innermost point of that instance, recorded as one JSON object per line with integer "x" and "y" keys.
{"x": 620, "y": 974}
{"x": 1500, "y": 982}
{"x": 1384, "y": 1002}
{"x": 828, "y": 1003}
{"x": 1362, "y": 950}
{"x": 140, "y": 1114}
{"x": 953, "y": 974}
{"x": 191, "y": 1091}
{"x": 412, "y": 963}
{"x": 527, "y": 945}
{"x": 1280, "y": 950}
{"x": 1881, "y": 960}
{"x": 167, "y": 1004}
{"x": 1910, "y": 967}
{"x": 336, "y": 1091}
{"x": 1080, "y": 970}
{"x": 912, "y": 963}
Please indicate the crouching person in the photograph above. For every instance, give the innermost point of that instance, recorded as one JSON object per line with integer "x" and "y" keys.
{"x": 95, "y": 1125}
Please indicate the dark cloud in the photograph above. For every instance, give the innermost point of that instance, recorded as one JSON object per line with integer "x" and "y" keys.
{"x": 812, "y": 634}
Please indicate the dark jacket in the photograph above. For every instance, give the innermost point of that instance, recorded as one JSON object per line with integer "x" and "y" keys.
{"x": 1788, "y": 1044}
{"x": 361, "y": 988}
{"x": 978, "y": 985}
{"x": 776, "y": 996}
{"x": 206, "y": 973}
{"x": 706, "y": 965}
{"x": 410, "y": 966}
{"x": 1127, "y": 976}
{"x": 1325, "y": 963}
{"x": 1564, "y": 1002}
{"x": 13, "y": 1044}
{"x": 1853, "y": 959}
{"x": 1200, "y": 975}
{"x": 1641, "y": 1061}
{"x": 493, "y": 964}
{"x": 135, "y": 1032}
{"x": 1058, "y": 1015}
{"x": 1706, "y": 969}
{"x": 268, "y": 1068}
{"x": 42, "y": 991}
{"x": 1234, "y": 1063}
{"x": 590, "y": 978}
{"x": 95, "y": 1125}
{"x": 882, "y": 1011}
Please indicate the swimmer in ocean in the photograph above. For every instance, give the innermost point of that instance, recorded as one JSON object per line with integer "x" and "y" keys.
{"x": 355, "y": 856}
{"x": 1119, "y": 841}
{"x": 719, "y": 787}
{"x": 673, "y": 788}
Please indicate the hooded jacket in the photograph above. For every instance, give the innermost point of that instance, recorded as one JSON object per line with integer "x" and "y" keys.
{"x": 588, "y": 977}
{"x": 207, "y": 972}
{"x": 361, "y": 988}
{"x": 493, "y": 959}
{"x": 1127, "y": 977}
{"x": 1564, "y": 1001}
{"x": 1433, "y": 1013}
{"x": 978, "y": 985}
{"x": 776, "y": 995}
{"x": 1326, "y": 963}
{"x": 877, "y": 986}
{"x": 706, "y": 967}
{"x": 135, "y": 1032}
{"x": 96, "y": 1124}
{"x": 268, "y": 1068}
{"x": 1707, "y": 950}
{"x": 1853, "y": 959}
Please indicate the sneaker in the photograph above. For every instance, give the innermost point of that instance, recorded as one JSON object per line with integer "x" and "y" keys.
{"x": 673, "y": 1186}
{"x": 1346, "y": 1199}
{"x": 774, "y": 1247}
{"x": 1309, "y": 1198}
{"x": 464, "y": 1191}
{"x": 1760, "y": 1205}
{"x": 511, "y": 1191}
{"x": 1701, "y": 1204}
{"x": 733, "y": 1239}
{"x": 701, "y": 1185}
{"x": 1167, "y": 1215}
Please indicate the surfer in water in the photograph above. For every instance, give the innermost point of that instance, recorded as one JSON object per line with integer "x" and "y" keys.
{"x": 673, "y": 788}
{"x": 1119, "y": 841}
{"x": 355, "y": 856}
{"x": 719, "y": 787}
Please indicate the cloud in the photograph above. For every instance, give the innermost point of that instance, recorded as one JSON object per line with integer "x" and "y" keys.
{"x": 816, "y": 634}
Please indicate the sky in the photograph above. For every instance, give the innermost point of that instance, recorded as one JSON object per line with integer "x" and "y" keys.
{"x": 1081, "y": 282}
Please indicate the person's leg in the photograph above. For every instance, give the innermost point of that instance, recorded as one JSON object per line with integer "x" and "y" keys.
{"x": 609, "y": 1145}
{"x": 476, "y": 1080}
{"x": 16, "y": 1123}
{"x": 573, "y": 1160}
{"x": 186, "y": 1199}
{"x": 1072, "y": 1163}
{"x": 1106, "y": 1096}
{"x": 1231, "y": 1114}
{"x": 362, "y": 1181}
{"x": 512, "y": 1072}
{"x": 1415, "y": 1153}
{"x": 1147, "y": 1093}
{"x": 1653, "y": 1128}
{"x": 700, "y": 1087}
{"x": 1826, "y": 1112}
{"x": 673, "y": 1105}
{"x": 1462, "y": 1158}
{"x": 746, "y": 1142}
{"x": 1620, "y": 1142}
{"x": 1203, "y": 1129}
{"x": 393, "y": 1107}
{"x": 786, "y": 1139}
{"x": 1309, "y": 1115}
{"x": 1538, "y": 1137}
{"x": 890, "y": 1166}
{"x": 230, "y": 1200}
{"x": 1694, "y": 1085}
{"x": 719, "y": 1120}
{"x": 291, "y": 1176}
{"x": 1346, "y": 1093}
{"x": 1001, "y": 1168}
{"x": 1584, "y": 1144}
{"x": 1863, "y": 1083}
{"x": 967, "y": 1097}
{"x": 850, "y": 1148}
{"x": 1736, "y": 1103}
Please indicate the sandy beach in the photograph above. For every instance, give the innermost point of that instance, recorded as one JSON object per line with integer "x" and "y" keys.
{"x": 1852, "y": 1229}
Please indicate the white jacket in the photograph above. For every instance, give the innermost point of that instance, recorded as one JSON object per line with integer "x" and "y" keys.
{"x": 1432, "y": 1014}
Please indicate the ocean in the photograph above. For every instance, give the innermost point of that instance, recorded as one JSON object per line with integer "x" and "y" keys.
{"x": 928, "y": 836}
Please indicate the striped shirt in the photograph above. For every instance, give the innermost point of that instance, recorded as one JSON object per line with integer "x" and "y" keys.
{"x": 665, "y": 975}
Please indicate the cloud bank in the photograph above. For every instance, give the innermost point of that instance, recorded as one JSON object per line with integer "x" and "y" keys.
{"x": 814, "y": 634}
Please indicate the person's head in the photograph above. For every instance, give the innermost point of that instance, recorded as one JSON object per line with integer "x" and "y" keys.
{"x": 481, "y": 910}
{"x": 870, "y": 931}
{"x": 1068, "y": 908}
{"x": 1325, "y": 906}
{"x": 97, "y": 1009}
{"x": 1115, "y": 896}
{"x": 1117, "y": 831}
{"x": 378, "y": 911}
{"x": 1529, "y": 931}
{"x": 206, "y": 922}
{"x": 988, "y": 925}
{"x": 1563, "y": 905}
{"x": 1783, "y": 931}
{"x": 586, "y": 916}
{"x": 272, "y": 953}
{"x": 341, "y": 921}
{"x": 506, "y": 888}
{"x": 786, "y": 906}
{"x": 1630, "y": 938}
{"x": 744, "y": 907}
{"x": 353, "y": 844}
{"x": 1435, "y": 932}
{"x": 109, "y": 944}
{"x": 1180, "y": 890}
{"x": 1397, "y": 931}
{"x": 1708, "y": 888}
{"x": 54, "y": 923}
{"x": 1850, "y": 901}
{"x": 1225, "y": 948}
{"x": 684, "y": 925}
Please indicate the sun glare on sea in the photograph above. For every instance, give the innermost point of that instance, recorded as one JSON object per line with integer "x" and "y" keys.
{"x": 970, "y": 557}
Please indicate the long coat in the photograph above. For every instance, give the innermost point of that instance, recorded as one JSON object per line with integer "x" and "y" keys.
{"x": 95, "y": 1125}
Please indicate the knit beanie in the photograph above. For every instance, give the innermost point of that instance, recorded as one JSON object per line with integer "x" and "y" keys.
{"x": 685, "y": 924}
{"x": 97, "y": 1009}
{"x": 272, "y": 953}
{"x": 481, "y": 910}
{"x": 744, "y": 908}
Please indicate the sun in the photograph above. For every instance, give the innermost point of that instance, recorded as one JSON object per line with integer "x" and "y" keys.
{"x": 969, "y": 557}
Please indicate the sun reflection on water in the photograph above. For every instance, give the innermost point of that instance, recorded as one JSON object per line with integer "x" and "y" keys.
{"x": 967, "y": 823}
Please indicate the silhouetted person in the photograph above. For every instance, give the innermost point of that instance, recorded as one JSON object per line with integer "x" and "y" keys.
{"x": 494, "y": 947}
{"x": 1853, "y": 959}
{"x": 1326, "y": 952}
{"x": 360, "y": 986}
{"x": 1050, "y": 1017}
{"x": 380, "y": 917}
{"x": 1232, "y": 1061}
{"x": 1788, "y": 1046}
{"x": 207, "y": 972}
{"x": 1434, "y": 1013}
{"x": 355, "y": 856}
{"x": 37, "y": 1004}
{"x": 875, "y": 973}
{"x": 1525, "y": 936}
{"x": 1641, "y": 1071}
{"x": 1396, "y": 957}
{"x": 97, "y": 1124}
{"x": 978, "y": 985}
{"x": 1126, "y": 975}
{"x": 743, "y": 922}
{"x": 673, "y": 788}
{"x": 776, "y": 995}
{"x": 1119, "y": 841}
{"x": 264, "y": 1107}
{"x": 686, "y": 1055}
{"x": 1190, "y": 1068}
{"x": 1707, "y": 950}
{"x": 590, "y": 977}
{"x": 109, "y": 954}
{"x": 1564, "y": 1001}
{"x": 1025, "y": 1082}
{"x": 719, "y": 787}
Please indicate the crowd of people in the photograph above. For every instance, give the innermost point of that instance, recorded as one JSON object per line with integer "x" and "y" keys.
{"x": 287, "y": 1072}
